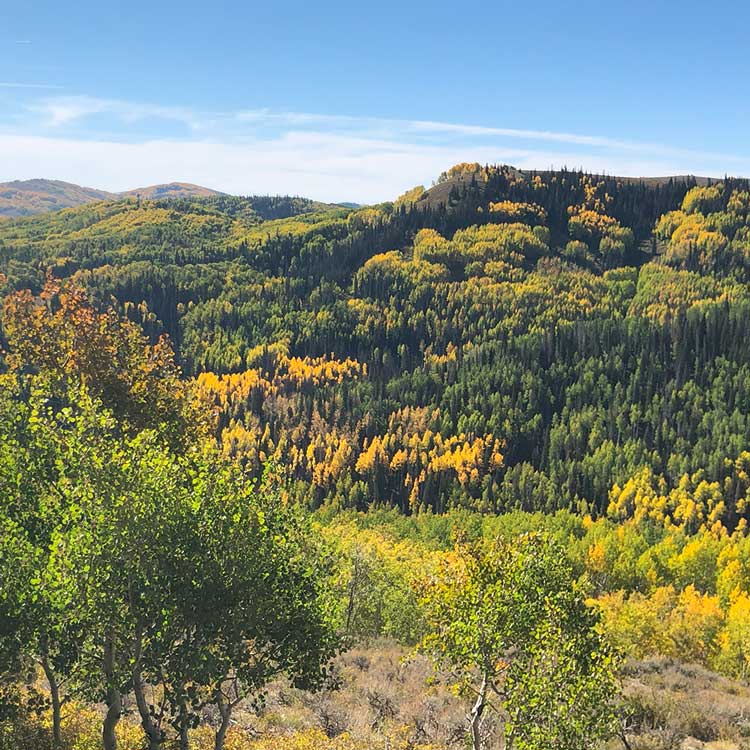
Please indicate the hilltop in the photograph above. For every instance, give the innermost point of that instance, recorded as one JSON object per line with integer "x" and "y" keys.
{"x": 461, "y": 177}
{"x": 28, "y": 197}
{"x": 172, "y": 190}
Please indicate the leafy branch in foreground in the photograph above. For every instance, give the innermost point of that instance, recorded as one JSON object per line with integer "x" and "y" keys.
{"x": 133, "y": 557}
{"x": 194, "y": 586}
{"x": 512, "y": 621}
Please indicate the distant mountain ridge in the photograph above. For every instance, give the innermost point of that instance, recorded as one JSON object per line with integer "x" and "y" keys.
{"x": 28, "y": 197}
{"x": 172, "y": 190}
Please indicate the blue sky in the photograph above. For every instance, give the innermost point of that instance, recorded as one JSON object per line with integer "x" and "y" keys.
{"x": 347, "y": 101}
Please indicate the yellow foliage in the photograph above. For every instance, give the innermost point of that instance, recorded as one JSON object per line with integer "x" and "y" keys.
{"x": 693, "y": 505}
{"x": 512, "y": 211}
{"x": 412, "y": 448}
{"x": 410, "y": 196}
{"x": 82, "y": 726}
{"x": 596, "y": 558}
{"x": 703, "y": 199}
{"x": 735, "y": 640}
{"x": 638, "y": 624}
{"x": 277, "y": 378}
{"x": 584, "y": 223}
{"x": 315, "y": 739}
{"x": 463, "y": 169}
{"x": 694, "y": 626}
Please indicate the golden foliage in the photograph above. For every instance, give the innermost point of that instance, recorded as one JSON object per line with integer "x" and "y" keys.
{"x": 517, "y": 211}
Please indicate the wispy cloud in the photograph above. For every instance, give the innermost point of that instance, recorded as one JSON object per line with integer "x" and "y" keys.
{"x": 21, "y": 85}
{"x": 64, "y": 110}
{"x": 406, "y": 128}
{"x": 420, "y": 126}
{"x": 535, "y": 135}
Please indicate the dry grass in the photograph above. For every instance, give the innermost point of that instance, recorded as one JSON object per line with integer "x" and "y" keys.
{"x": 686, "y": 707}
{"x": 385, "y": 698}
{"x": 390, "y": 698}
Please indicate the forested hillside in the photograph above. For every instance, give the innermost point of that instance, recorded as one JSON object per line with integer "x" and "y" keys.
{"x": 501, "y": 340}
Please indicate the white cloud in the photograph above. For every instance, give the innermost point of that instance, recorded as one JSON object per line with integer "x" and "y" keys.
{"x": 406, "y": 128}
{"x": 326, "y": 166}
{"x": 424, "y": 127}
{"x": 329, "y": 157}
{"x": 64, "y": 110}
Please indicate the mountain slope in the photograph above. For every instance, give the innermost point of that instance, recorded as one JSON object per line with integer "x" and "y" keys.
{"x": 26, "y": 197}
{"x": 511, "y": 340}
{"x": 172, "y": 190}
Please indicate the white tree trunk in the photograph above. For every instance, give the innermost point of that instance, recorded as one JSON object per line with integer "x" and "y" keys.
{"x": 475, "y": 717}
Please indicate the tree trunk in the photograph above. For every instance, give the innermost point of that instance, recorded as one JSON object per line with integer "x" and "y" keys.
{"x": 353, "y": 586}
{"x": 475, "y": 717}
{"x": 184, "y": 736}
{"x": 113, "y": 699}
{"x": 225, "y": 710}
{"x": 183, "y": 718}
{"x": 150, "y": 729}
{"x": 54, "y": 691}
{"x": 152, "y": 732}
